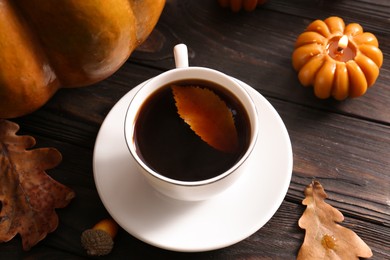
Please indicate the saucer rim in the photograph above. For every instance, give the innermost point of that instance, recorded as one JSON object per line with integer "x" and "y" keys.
{"x": 254, "y": 226}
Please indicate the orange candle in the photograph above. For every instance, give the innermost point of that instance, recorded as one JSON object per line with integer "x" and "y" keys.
{"x": 337, "y": 60}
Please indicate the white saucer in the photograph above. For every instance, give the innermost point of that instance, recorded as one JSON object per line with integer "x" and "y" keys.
{"x": 193, "y": 226}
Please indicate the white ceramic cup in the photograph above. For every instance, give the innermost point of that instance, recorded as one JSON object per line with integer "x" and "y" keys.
{"x": 190, "y": 190}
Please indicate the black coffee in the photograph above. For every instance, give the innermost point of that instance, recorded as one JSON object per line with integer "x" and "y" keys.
{"x": 168, "y": 145}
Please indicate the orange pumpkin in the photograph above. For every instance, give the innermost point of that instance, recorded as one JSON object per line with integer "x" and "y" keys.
{"x": 237, "y": 5}
{"x": 46, "y": 45}
{"x": 337, "y": 71}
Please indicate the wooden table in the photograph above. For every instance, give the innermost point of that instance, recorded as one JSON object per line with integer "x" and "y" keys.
{"x": 345, "y": 145}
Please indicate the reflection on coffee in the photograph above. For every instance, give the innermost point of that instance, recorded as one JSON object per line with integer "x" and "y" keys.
{"x": 168, "y": 145}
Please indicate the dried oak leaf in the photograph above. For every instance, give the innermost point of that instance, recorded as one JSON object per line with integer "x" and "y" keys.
{"x": 208, "y": 116}
{"x": 324, "y": 238}
{"x": 28, "y": 196}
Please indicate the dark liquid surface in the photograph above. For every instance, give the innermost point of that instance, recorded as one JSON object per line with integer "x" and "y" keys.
{"x": 169, "y": 146}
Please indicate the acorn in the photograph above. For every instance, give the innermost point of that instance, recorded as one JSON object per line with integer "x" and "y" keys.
{"x": 99, "y": 240}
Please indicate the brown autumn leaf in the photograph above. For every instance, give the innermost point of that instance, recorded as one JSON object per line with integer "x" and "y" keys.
{"x": 324, "y": 238}
{"x": 28, "y": 196}
{"x": 208, "y": 116}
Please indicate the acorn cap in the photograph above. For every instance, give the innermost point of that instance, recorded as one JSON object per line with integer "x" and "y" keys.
{"x": 97, "y": 242}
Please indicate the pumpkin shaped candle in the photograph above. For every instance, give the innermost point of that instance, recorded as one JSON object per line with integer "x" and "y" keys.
{"x": 338, "y": 60}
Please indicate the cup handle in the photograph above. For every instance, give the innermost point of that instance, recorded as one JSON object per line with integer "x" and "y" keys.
{"x": 180, "y": 54}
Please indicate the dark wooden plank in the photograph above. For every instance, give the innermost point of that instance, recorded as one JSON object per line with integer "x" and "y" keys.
{"x": 321, "y": 148}
{"x": 348, "y": 154}
{"x": 372, "y": 15}
{"x": 280, "y": 238}
{"x": 346, "y": 145}
{"x": 256, "y": 47}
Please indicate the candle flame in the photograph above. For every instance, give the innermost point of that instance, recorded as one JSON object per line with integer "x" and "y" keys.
{"x": 343, "y": 42}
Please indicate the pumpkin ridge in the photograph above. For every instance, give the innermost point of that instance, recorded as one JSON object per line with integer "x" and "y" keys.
{"x": 365, "y": 63}
{"x": 357, "y": 79}
{"x": 26, "y": 80}
{"x": 149, "y": 10}
{"x": 93, "y": 40}
{"x": 372, "y": 52}
{"x": 308, "y": 72}
{"x": 48, "y": 45}
{"x": 29, "y": 25}
{"x": 335, "y": 25}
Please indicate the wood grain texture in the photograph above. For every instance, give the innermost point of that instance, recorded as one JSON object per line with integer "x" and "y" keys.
{"x": 257, "y": 47}
{"x": 345, "y": 145}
